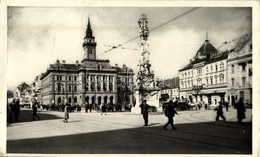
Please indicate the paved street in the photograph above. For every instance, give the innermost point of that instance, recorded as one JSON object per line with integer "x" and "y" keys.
{"x": 123, "y": 133}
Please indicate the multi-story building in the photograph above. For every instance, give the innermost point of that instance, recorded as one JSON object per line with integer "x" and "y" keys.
{"x": 169, "y": 88}
{"x": 205, "y": 77}
{"x": 240, "y": 71}
{"x": 23, "y": 93}
{"x": 36, "y": 88}
{"x": 94, "y": 81}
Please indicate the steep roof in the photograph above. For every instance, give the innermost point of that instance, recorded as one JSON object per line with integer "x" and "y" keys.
{"x": 189, "y": 66}
{"x": 206, "y": 49}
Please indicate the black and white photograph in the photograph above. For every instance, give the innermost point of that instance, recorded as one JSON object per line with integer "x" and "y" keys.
{"x": 99, "y": 78}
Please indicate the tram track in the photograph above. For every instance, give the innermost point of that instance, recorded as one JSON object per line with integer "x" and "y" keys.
{"x": 160, "y": 133}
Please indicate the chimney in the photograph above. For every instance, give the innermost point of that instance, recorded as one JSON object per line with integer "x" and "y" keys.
{"x": 77, "y": 62}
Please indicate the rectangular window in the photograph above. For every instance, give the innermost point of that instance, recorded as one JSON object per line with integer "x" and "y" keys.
{"x": 232, "y": 69}
{"x": 243, "y": 67}
{"x": 233, "y": 82}
{"x": 243, "y": 81}
{"x": 75, "y": 78}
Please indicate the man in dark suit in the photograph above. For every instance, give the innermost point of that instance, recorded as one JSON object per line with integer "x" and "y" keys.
{"x": 16, "y": 108}
{"x": 144, "y": 110}
{"x": 170, "y": 112}
{"x": 34, "y": 107}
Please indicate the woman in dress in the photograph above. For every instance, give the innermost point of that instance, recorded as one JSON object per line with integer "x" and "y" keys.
{"x": 66, "y": 113}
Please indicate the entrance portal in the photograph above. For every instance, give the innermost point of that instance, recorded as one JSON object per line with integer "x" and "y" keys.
{"x": 105, "y": 99}
{"x": 87, "y": 99}
{"x": 99, "y": 100}
{"x": 93, "y": 100}
{"x": 111, "y": 99}
{"x": 233, "y": 100}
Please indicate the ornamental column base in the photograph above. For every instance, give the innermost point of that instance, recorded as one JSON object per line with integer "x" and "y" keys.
{"x": 136, "y": 109}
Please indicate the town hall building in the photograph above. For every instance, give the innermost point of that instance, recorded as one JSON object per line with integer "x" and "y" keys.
{"x": 93, "y": 81}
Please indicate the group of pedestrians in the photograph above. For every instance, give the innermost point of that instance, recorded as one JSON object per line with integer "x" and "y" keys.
{"x": 170, "y": 112}
{"x": 13, "y": 111}
{"x": 240, "y": 107}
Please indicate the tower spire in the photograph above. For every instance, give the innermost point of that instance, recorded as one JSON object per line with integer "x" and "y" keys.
{"x": 89, "y": 44}
{"x": 89, "y": 23}
{"x": 89, "y": 30}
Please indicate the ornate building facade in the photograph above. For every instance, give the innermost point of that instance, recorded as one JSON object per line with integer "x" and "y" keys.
{"x": 240, "y": 71}
{"x": 205, "y": 77}
{"x": 92, "y": 81}
{"x": 169, "y": 89}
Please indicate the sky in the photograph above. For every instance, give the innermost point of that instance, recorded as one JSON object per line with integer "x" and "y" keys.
{"x": 38, "y": 36}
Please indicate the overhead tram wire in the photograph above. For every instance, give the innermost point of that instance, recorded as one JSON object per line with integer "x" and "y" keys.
{"x": 155, "y": 28}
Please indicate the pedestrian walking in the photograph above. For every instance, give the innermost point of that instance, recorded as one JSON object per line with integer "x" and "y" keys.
{"x": 66, "y": 113}
{"x": 226, "y": 105}
{"x": 103, "y": 109}
{"x": 144, "y": 110}
{"x": 34, "y": 108}
{"x": 170, "y": 112}
{"x": 86, "y": 107}
{"x": 240, "y": 106}
{"x": 206, "y": 106}
{"x": 219, "y": 110}
{"x": 90, "y": 107}
{"x": 16, "y": 108}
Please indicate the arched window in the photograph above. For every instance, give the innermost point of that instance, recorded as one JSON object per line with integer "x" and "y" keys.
{"x": 59, "y": 87}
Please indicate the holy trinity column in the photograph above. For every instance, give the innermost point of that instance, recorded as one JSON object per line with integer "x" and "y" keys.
{"x": 146, "y": 89}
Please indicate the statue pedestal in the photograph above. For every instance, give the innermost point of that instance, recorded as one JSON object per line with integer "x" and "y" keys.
{"x": 136, "y": 110}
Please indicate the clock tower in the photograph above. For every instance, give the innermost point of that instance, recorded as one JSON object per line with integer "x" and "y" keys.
{"x": 89, "y": 44}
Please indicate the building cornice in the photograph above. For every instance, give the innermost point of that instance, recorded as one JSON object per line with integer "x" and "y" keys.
{"x": 240, "y": 57}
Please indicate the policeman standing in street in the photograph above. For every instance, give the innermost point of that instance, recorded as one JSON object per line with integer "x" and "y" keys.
{"x": 144, "y": 110}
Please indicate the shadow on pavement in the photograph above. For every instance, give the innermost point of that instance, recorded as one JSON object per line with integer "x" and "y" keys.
{"x": 26, "y": 115}
{"x": 189, "y": 138}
